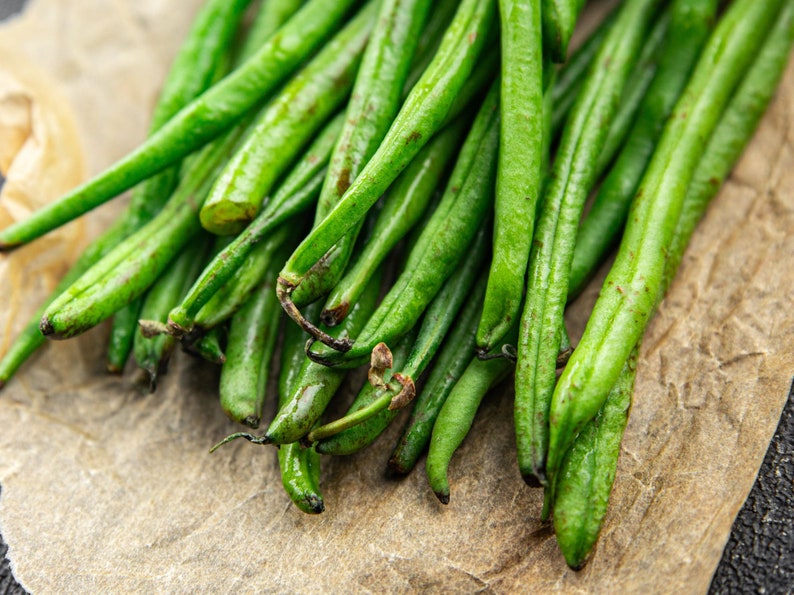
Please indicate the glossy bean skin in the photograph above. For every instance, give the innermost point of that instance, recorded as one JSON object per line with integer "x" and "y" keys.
{"x": 285, "y": 126}
{"x": 443, "y": 243}
{"x": 559, "y": 22}
{"x": 375, "y": 100}
{"x": 251, "y": 343}
{"x": 421, "y": 116}
{"x": 453, "y": 358}
{"x": 572, "y": 178}
{"x": 631, "y": 289}
{"x": 299, "y": 466}
{"x": 411, "y": 357}
{"x": 406, "y": 202}
{"x": 297, "y": 193}
{"x": 201, "y": 54}
{"x": 152, "y": 353}
{"x": 209, "y": 346}
{"x": 519, "y": 172}
{"x": 205, "y": 118}
{"x": 598, "y": 232}
{"x": 317, "y": 384}
{"x": 457, "y": 416}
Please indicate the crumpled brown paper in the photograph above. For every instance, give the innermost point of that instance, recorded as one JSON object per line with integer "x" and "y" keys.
{"x": 108, "y": 489}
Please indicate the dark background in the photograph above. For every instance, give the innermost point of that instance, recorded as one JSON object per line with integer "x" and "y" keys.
{"x": 759, "y": 556}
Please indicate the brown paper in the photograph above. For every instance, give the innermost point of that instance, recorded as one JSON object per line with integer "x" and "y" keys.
{"x": 108, "y": 489}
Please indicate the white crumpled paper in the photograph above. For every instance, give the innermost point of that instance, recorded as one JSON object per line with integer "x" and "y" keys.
{"x": 106, "y": 488}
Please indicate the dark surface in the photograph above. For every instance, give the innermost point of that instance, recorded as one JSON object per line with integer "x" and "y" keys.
{"x": 759, "y": 556}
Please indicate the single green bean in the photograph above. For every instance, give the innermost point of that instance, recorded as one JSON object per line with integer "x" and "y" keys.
{"x": 209, "y": 346}
{"x": 250, "y": 345}
{"x": 208, "y": 116}
{"x": 421, "y": 116}
{"x": 270, "y": 17}
{"x": 284, "y": 128}
{"x": 559, "y": 22}
{"x": 519, "y": 172}
{"x": 572, "y": 178}
{"x": 457, "y": 415}
{"x": 298, "y": 191}
{"x": 631, "y": 289}
{"x": 406, "y": 201}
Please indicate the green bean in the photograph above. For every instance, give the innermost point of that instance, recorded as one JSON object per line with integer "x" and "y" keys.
{"x": 285, "y": 126}
{"x": 249, "y": 350}
{"x": 30, "y": 339}
{"x": 637, "y": 87}
{"x": 270, "y": 17}
{"x": 421, "y": 116}
{"x": 572, "y": 178}
{"x": 571, "y": 76}
{"x": 247, "y": 279}
{"x": 153, "y": 352}
{"x": 598, "y": 232}
{"x": 317, "y": 384}
{"x": 588, "y": 471}
{"x": 300, "y": 467}
{"x": 209, "y": 346}
{"x": 519, "y": 174}
{"x": 448, "y": 367}
{"x": 406, "y": 201}
{"x": 559, "y": 22}
{"x": 205, "y": 118}
{"x": 457, "y": 415}
{"x": 630, "y": 291}
{"x": 438, "y": 21}
{"x": 373, "y": 410}
{"x": 191, "y": 73}
{"x": 128, "y": 270}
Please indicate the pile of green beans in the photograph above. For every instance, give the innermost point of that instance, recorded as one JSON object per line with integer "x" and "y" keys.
{"x": 334, "y": 188}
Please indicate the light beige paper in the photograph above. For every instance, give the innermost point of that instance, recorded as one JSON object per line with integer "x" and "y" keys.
{"x": 108, "y": 489}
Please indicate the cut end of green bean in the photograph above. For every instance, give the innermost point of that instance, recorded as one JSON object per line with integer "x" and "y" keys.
{"x": 313, "y": 504}
{"x": 335, "y": 315}
{"x": 253, "y": 439}
{"x": 406, "y": 394}
{"x": 179, "y": 323}
{"x": 227, "y": 218}
{"x": 443, "y": 496}
{"x": 284, "y": 291}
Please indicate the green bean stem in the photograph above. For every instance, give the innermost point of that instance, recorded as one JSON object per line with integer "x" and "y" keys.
{"x": 572, "y": 178}
{"x": 208, "y": 116}
{"x": 631, "y": 289}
